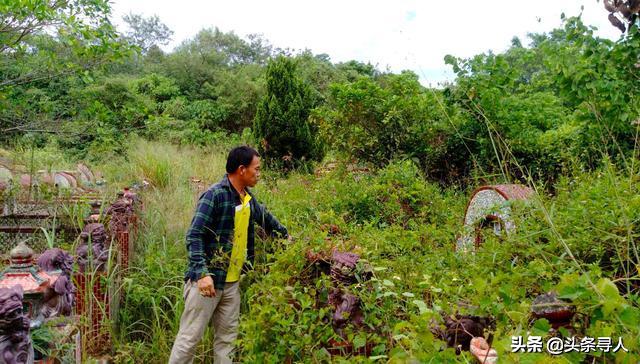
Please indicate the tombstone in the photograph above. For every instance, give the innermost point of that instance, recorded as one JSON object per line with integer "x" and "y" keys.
{"x": 85, "y": 176}
{"x": 71, "y": 178}
{"x": 61, "y": 181}
{"x": 45, "y": 177}
{"x": 489, "y": 208}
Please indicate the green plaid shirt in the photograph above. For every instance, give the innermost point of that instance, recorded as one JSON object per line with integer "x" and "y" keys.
{"x": 210, "y": 237}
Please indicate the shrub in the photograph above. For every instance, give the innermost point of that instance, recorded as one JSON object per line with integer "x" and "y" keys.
{"x": 393, "y": 117}
{"x": 285, "y": 136}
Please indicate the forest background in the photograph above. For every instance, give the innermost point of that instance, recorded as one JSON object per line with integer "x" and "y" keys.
{"x": 560, "y": 114}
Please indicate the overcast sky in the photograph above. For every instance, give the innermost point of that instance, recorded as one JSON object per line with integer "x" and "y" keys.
{"x": 399, "y": 34}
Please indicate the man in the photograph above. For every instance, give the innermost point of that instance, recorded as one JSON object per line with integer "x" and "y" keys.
{"x": 220, "y": 241}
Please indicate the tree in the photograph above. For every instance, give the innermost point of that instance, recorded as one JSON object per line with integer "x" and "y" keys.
{"x": 566, "y": 102}
{"x": 43, "y": 44}
{"x": 81, "y": 26}
{"x": 354, "y": 69}
{"x": 286, "y": 137}
{"x": 218, "y": 47}
{"x": 146, "y": 32}
{"x": 20, "y": 19}
{"x": 318, "y": 72}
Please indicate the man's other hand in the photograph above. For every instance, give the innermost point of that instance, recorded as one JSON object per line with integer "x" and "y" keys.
{"x": 205, "y": 286}
{"x": 289, "y": 238}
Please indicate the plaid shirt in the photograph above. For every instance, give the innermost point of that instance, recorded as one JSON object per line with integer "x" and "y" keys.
{"x": 210, "y": 237}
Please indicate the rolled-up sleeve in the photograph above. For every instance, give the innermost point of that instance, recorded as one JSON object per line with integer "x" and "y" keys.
{"x": 197, "y": 233}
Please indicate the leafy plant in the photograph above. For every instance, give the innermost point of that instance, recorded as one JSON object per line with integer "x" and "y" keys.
{"x": 286, "y": 138}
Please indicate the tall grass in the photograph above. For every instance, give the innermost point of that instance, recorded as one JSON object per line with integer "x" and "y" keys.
{"x": 406, "y": 228}
{"x": 590, "y": 213}
{"x": 150, "y": 313}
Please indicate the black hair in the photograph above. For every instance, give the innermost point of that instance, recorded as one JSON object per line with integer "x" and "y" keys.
{"x": 240, "y": 156}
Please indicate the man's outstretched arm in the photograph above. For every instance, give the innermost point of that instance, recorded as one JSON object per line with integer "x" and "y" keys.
{"x": 268, "y": 222}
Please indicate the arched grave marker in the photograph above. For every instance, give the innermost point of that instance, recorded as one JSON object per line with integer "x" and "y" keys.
{"x": 490, "y": 207}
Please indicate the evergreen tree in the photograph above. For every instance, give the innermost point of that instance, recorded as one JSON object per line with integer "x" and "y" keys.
{"x": 285, "y": 136}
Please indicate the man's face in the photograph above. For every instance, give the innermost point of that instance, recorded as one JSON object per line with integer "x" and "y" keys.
{"x": 251, "y": 173}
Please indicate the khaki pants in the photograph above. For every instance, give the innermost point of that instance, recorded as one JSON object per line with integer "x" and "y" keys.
{"x": 222, "y": 311}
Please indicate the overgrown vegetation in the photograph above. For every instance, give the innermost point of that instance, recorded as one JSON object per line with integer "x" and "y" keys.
{"x": 561, "y": 114}
{"x": 286, "y": 138}
{"x": 581, "y": 242}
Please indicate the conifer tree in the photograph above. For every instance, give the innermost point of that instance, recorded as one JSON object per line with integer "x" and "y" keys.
{"x": 286, "y": 138}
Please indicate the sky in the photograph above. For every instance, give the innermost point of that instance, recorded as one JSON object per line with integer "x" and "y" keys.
{"x": 393, "y": 35}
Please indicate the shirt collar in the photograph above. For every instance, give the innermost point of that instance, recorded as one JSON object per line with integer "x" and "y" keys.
{"x": 226, "y": 183}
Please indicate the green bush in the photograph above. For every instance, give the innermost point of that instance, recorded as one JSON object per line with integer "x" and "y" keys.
{"x": 565, "y": 101}
{"x": 418, "y": 277}
{"x": 286, "y": 138}
{"x": 395, "y": 195}
{"x": 394, "y": 117}
{"x": 161, "y": 88}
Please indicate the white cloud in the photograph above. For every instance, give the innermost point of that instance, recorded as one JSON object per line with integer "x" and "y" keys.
{"x": 401, "y": 34}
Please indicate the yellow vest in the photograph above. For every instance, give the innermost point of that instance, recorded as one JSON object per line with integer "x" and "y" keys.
{"x": 240, "y": 235}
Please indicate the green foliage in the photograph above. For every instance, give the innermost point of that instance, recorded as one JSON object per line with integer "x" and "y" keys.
{"x": 228, "y": 49}
{"x": 396, "y": 195}
{"x": 107, "y": 113}
{"x": 318, "y": 72}
{"x": 286, "y": 138}
{"x": 418, "y": 277}
{"x": 390, "y": 117}
{"x": 561, "y": 112}
{"x": 81, "y": 35}
{"x": 609, "y": 202}
{"x": 580, "y": 242}
{"x": 354, "y": 70}
{"x": 78, "y": 23}
{"x": 222, "y": 68}
{"x": 570, "y": 97}
{"x": 159, "y": 87}
{"x": 146, "y": 32}
{"x": 535, "y": 112}
{"x": 46, "y": 49}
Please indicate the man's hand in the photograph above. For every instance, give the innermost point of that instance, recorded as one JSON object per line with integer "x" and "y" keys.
{"x": 205, "y": 286}
{"x": 289, "y": 238}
